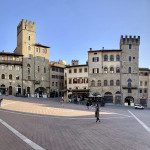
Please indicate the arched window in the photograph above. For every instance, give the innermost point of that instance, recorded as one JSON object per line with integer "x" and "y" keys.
{"x": 28, "y": 65}
{"x": 129, "y": 58}
{"x": 117, "y": 70}
{"x": 105, "y": 70}
{"x": 105, "y": 57}
{"x": 129, "y": 80}
{"x": 111, "y": 57}
{"x": 10, "y": 76}
{"x": 129, "y": 70}
{"x": 117, "y": 57}
{"x": 3, "y": 76}
{"x": 99, "y": 83}
{"x": 117, "y": 82}
{"x": 129, "y": 84}
{"x": 105, "y": 82}
{"x": 111, "y": 82}
{"x": 111, "y": 70}
{"x": 92, "y": 83}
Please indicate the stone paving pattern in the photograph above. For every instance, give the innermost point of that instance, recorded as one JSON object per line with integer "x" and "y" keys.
{"x": 71, "y": 127}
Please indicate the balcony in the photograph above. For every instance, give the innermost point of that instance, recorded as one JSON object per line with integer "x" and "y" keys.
{"x": 126, "y": 87}
{"x": 11, "y": 62}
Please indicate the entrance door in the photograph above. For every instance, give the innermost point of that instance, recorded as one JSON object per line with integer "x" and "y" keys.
{"x": 108, "y": 97}
{"x": 10, "y": 90}
{"x": 129, "y": 100}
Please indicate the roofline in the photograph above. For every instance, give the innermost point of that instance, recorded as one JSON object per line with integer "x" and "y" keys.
{"x": 108, "y": 50}
{"x": 83, "y": 65}
{"x": 10, "y": 54}
{"x": 38, "y": 44}
{"x": 144, "y": 69}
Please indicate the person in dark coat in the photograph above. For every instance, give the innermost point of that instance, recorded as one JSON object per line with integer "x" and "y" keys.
{"x": 1, "y": 101}
{"x": 97, "y": 113}
{"x": 87, "y": 104}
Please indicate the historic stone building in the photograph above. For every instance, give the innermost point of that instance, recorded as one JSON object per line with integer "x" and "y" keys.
{"x": 57, "y": 78}
{"x": 144, "y": 86}
{"x": 33, "y": 62}
{"x": 114, "y": 74}
{"x": 10, "y": 73}
{"x": 77, "y": 80}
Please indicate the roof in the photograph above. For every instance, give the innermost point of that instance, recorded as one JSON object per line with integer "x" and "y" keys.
{"x": 38, "y": 44}
{"x": 83, "y": 65}
{"x": 144, "y": 69}
{"x": 10, "y": 54}
{"x": 105, "y": 50}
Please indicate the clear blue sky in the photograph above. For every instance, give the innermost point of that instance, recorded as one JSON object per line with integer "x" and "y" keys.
{"x": 71, "y": 27}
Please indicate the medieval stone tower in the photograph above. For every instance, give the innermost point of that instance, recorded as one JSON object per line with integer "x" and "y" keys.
{"x": 35, "y": 59}
{"x": 130, "y": 68}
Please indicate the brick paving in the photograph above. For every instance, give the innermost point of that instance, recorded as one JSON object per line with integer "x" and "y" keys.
{"x": 71, "y": 127}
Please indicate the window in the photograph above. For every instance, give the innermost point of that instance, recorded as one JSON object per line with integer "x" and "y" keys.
{"x": 28, "y": 71}
{"x": 29, "y": 48}
{"x": 69, "y": 70}
{"x": 129, "y": 85}
{"x": 17, "y": 58}
{"x": 145, "y": 83}
{"x": 3, "y": 67}
{"x": 95, "y": 70}
{"x": 105, "y": 70}
{"x": 117, "y": 82}
{"x": 111, "y": 57}
{"x": 70, "y": 81}
{"x": 75, "y": 70}
{"x": 44, "y": 70}
{"x": 105, "y": 82}
{"x": 117, "y": 70}
{"x": 140, "y": 90}
{"x": 80, "y": 70}
{"x": 3, "y": 76}
{"x": 99, "y": 83}
{"x": 111, "y": 70}
{"x": 17, "y": 68}
{"x": 38, "y": 68}
{"x": 130, "y": 46}
{"x": 111, "y": 83}
{"x": 10, "y": 76}
{"x": 10, "y": 67}
{"x": 145, "y": 90}
{"x": 105, "y": 57}
{"x": 56, "y": 84}
{"x": 92, "y": 83}
{"x": 129, "y": 70}
{"x": 37, "y": 49}
{"x": 130, "y": 58}
{"x": 75, "y": 80}
{"x": 29, "y": 38}
{"x": 29, "y": 77}
{"x": 10, "y": 58}
{"x": 52, "y": 83}
{"x": 85, "y": 69}
{"x": 95, "y": 59}
{"x": 129, "y": 91}
{"x": 117, "y": 57}
{"x": 17, "y": 77}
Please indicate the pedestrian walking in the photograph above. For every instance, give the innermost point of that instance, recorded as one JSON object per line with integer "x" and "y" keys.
{"x": 1, "y": 101}
{"x": 87, "y": 104}
{"x": 62, "y": 101}
{"x": 97, "y": 113}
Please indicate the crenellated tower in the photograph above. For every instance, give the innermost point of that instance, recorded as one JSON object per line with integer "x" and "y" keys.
{"x": 130, "y": 68}
{"x": 25, "y": 37}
